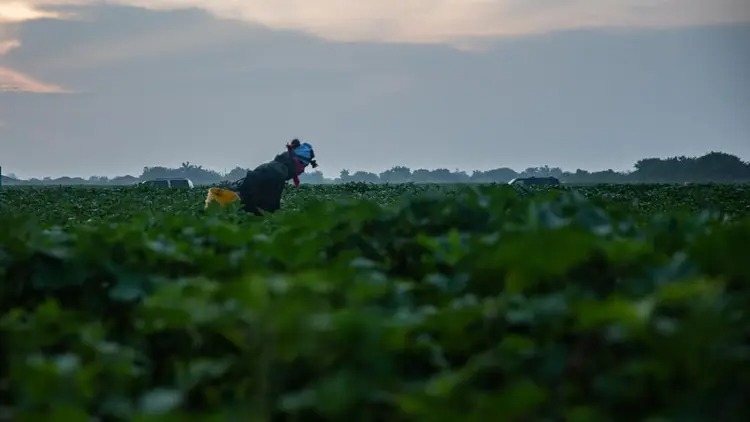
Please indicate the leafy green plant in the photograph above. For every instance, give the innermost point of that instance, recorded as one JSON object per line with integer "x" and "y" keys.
{"x": 365, "y": 302}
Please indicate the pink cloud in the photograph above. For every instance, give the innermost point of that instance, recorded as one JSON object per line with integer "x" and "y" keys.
{"x": 19, "y": 11}
{"x": 13, "y": 81}
{"x": 7, "y": 45}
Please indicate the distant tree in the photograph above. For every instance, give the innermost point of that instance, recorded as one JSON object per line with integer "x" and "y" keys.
{"x": 580, "y": 176}
{"x": 441, "y": 175}
{"x": 237, "y": 173}
{"x": 501, "y": 175}
{"x": 364, "y": 177}
{"x": 197, "y": 174}
{"x": 150, "y": 173}
{"x": 398, "y": 174}
{"x": 422, "y": 176}
{"x": 98, "y": 180}
{"x": 344, "y": 176}
{"x": 124, "y": 181}
{"x": 609, "y": 176}
{"x": 712, "y": 167}
{"x": 722, "y": 167}
{"x": 315, "y": 177}
{"x": 544, "y": 171}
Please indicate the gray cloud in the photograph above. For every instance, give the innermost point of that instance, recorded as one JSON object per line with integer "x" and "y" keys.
{"x": 7, "y": 45}
{"x": 463, "y": 24}
{"x": 443, "y": 21}
{"x": 160, "y": 88}
{"x": 12, "y": 80}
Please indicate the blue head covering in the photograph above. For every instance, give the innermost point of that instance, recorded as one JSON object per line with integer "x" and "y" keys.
{"x": 304, "y": 153}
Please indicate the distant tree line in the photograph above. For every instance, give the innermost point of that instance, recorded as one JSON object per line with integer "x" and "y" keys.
{"x": 712, "y": 167}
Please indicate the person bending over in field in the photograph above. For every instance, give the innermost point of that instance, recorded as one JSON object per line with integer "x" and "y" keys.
{"x": 262, "y": 187}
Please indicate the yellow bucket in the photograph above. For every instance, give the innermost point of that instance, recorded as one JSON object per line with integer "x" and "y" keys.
{"x": 221, "y": 196}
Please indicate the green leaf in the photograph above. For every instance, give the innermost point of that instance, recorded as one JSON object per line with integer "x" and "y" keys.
{"x": 160, "y": 400}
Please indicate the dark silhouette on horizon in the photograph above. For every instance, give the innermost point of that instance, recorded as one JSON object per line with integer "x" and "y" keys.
{"x": 714, "y": 167}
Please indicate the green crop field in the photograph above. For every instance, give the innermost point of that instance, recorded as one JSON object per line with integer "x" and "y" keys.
{"x": 372, "y": 303}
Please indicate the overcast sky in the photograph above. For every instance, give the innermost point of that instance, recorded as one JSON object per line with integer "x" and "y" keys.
{"x": 108, "y": 87}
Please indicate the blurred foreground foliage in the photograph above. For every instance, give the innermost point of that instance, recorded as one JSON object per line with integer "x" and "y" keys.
{"x": 370, "y": 303}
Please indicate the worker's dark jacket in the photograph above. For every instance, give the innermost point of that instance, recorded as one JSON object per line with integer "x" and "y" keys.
{"x": 262, "y": 187}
